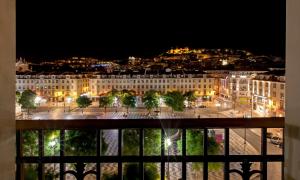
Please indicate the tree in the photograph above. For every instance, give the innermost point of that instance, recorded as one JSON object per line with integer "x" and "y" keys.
{"x": 151, "y": 171}
{"x": 150, "y": 100}
{"x": 195, "y": 145}
{"x": 18, "y": 96}
{"x": 175, "y": 100}
{"x": 30, "y": 171}
{"x": 105, "y": 101}
{"x": 152, "y": 141}
{"x": 80, "y": 143}
{"x": 27, "y": 100}
{"x": 83, "y": 102}
{"x": 30, "y": 143}
{"x": 129, "y": 101}
{"x": 114, "y": 94}
{"x": 190, "y": 97}
{"x": 130, "y": 142}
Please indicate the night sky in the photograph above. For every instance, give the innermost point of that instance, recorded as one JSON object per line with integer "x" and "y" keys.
{"x": 52, "y": 29}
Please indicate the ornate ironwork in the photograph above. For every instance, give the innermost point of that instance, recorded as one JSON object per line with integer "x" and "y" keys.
{"x": 183, "y": 124}
{"x": 245, "y": 171}
{"x": 79, "y": 171}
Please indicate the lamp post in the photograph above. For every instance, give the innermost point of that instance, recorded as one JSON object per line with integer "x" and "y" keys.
{"x": 160, "y": 104}
{"x": 69, "y": 100}
{"x": 168, "y": 144}
{"x": 52, "y": 145}
{"x": 37, "y": 100}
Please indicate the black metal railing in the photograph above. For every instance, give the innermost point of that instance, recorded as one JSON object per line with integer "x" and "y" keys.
{"x": 32, "y": 150}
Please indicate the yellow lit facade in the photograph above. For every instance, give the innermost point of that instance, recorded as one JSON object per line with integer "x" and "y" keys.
{"x": 54, "y": 87}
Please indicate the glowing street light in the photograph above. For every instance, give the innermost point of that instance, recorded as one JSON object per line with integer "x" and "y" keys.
{"x": 168, "y": 142}
{"x": 69, "y": 100}
{"x": 37, "y": 100}
{"x": 52, "y": 143}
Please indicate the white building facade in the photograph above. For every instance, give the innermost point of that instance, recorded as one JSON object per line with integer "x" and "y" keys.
{"x": 269, "y": 95}
{"x": 202, "y": 84}
{"x": 53, "y": 87}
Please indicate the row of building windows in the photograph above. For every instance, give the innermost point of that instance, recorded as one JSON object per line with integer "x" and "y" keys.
{"x": 45, "y": 87}
{"x": 149, "y": 86}
{"x": 274, "y": 85}
{"x": 150, "y": 81}
{"x": 44, "y": 81}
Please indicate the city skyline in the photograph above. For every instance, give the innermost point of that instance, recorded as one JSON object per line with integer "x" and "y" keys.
{"x": 51, "y": 30}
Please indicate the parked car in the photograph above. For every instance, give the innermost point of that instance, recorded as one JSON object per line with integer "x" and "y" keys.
{"x": 276, "y": 140}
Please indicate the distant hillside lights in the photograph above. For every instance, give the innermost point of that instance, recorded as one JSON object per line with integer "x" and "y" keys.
{"x": 224, "y": 62}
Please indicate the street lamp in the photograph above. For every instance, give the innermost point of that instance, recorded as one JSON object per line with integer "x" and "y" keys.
{"x": 160, "y": 103}
{"x": 37, "y": 100}
{"x": 69, "y": 100}
{"x": 168, "y": 144}
{"x": 52, "y": 145}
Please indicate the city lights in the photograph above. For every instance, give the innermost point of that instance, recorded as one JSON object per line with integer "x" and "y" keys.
{"x": 168, "y": 142}
{"x": 37, "y": 99}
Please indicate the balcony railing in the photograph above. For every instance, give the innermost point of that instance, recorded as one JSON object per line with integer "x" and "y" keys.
{"x": 146, "y": 148}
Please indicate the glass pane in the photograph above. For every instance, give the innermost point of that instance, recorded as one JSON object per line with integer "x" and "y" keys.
{"x": 215, "y": 142}
{"x": 151, "y": 171}
{"x": 194, "y": 171}
{"x": 51, "y": 142}
{"x": 274, "y": 141}
{"x": 173, "y": 171}
{"x": 51, "y": 171}
{"x": 216, "y": 171}
{"x": 80, "y": 143}
{"x": 30, "y": 143}
{"x": 109, "y": 142}
{"x": 194, "y": 141}
{"x": 274, "y": 170}
{"x": 131, "y": 171}
{"x": 244, "y": 141}
{"x": 173, "y": 142}
{"x": 152, "y": 142}
{"x": 30, "y": 171}
{"x": 109, "y": 171}
{"x": 130, "y": 141}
